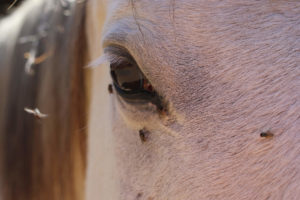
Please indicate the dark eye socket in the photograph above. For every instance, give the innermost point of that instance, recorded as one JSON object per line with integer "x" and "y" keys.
{"x": 129, "y": 81}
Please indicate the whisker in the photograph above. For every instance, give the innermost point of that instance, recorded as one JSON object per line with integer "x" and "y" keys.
{"x": 98, "y": 61}
{"x": 12, "y": 4}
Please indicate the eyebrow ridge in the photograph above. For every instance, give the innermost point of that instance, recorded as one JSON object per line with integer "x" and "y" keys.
{"x": 125, "y": 32}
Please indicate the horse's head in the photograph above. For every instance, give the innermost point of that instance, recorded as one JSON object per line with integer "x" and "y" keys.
{"x": 205, "y": 103}
{"x": 194, "y": 99}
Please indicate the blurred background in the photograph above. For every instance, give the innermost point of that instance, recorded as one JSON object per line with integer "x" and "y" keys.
{"x": 42, "y": 59}
{"x": 7, "y": 5}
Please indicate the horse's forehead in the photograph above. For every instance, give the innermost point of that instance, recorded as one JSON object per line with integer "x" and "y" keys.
{"x": 191, "y": 41}
{"x": 159, "y": 9}
{"x": 185, "y": 25}
{"x": 204, "y": 55}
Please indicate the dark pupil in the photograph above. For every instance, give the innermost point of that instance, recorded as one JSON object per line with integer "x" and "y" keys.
{"x": 127, "y": 76}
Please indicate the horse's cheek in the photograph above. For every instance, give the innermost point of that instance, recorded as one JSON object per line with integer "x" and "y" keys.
{"x": 217, "y": 154}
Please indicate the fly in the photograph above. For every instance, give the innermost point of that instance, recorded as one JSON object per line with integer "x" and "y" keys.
{"x": 36, "y": 113}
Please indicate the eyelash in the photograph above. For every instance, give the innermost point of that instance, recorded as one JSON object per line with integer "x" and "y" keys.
{"x": 128, "y": 79}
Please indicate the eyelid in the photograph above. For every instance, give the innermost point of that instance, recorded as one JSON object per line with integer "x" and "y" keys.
{"x": 120, "y": 32}
{"x": 116, "y": 55}
{"x": 110, "y": 57}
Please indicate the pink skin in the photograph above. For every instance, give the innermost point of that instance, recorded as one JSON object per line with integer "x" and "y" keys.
{"x": 229, "y": 70}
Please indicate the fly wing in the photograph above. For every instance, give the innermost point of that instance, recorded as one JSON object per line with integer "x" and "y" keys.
{"x": 28, "y": 110}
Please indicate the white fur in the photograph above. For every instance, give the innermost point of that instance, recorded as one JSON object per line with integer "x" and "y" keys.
{"x": 229, "y": 71}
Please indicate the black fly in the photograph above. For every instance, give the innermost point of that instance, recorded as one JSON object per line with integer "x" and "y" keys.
{"x": 110, "y": 89}
{"x": 144, "y": 134}
{"x": 266, "y": 134}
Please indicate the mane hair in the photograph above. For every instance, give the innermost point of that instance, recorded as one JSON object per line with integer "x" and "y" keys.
{"x": 43, "y": 158}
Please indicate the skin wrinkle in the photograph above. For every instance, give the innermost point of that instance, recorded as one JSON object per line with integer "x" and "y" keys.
{"x": 232, "y": 73}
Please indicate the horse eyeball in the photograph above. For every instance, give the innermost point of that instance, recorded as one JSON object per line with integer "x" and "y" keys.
{"x": 127, "y": 76}
{"x": 128, "y": 79}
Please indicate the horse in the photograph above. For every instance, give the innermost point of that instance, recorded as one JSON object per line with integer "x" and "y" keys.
{"x": 150, "y": 100}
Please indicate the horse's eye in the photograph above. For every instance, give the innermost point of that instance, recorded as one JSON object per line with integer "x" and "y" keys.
{"x": 129, "y": 81}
